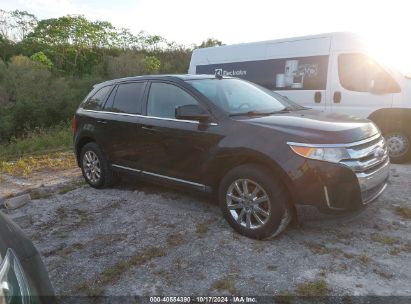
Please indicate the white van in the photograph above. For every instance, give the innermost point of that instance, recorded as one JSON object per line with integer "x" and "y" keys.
{"x": 329, "y": 72}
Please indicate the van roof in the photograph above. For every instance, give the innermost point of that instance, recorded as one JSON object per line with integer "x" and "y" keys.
{"x": 335, "y": 35}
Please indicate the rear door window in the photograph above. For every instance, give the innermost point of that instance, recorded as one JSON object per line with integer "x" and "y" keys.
{"x": 128, "y": 98}
{"x": 97, "y": 100}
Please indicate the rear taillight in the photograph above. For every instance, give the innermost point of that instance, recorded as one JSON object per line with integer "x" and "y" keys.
{"x": 74, "y": 125}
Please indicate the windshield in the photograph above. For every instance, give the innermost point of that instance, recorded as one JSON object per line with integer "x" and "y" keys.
{"x": 238, "y": 96}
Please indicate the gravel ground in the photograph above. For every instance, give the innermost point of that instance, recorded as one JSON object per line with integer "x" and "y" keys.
{"x": 140, "y": 239}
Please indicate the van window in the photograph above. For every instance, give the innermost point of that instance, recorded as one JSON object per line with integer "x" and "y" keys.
{"x": 360, "y": 73}
{"x": 97, "y": 100}
{"x": 164, "y": 98}
{"x": 128, "y": 98}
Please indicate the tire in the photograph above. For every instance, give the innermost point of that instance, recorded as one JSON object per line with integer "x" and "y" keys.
{"x": 259, "y": 225}
{"x": 94, "y": 166}
{"x": 399, "y": 145}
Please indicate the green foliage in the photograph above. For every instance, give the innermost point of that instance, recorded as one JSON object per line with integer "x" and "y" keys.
{"x": 152, "y": 64}
{"x": 41, "y": 58}
{"x": 38, "y": 141}
{"x": 209, "y": 43}
{"x": 47, "y": 67}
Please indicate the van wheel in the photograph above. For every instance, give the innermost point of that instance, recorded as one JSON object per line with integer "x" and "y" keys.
{"x": 96, "y": 170}
{"x": 399, "y": 146}
{"x": 254, "y": 202}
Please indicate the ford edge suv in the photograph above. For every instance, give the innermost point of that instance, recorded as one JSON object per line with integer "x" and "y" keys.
{"x": 259, "y": 152}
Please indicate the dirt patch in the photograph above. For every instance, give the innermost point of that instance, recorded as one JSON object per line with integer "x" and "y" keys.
{"x": 140, "y": 239}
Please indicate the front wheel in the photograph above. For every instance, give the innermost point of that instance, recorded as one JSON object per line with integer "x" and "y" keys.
{"x": 254, "y": 202}
{"x": 399, "y": 146}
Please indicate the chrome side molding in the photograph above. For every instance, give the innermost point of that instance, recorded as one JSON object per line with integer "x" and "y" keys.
{"x": 179, "y": 180}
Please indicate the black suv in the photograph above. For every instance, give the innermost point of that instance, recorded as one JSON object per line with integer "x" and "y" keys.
{"x": 259, "y": 152}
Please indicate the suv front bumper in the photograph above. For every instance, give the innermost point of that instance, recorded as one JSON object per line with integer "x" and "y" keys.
{"x": 347, "y": 185}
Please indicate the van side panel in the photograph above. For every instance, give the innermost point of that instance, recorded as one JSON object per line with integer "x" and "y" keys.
{"x": 296, "y": 73}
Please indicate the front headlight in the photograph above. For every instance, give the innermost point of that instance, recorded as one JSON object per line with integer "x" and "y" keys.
{"x": 330, "y": 154}
{"x": 13, "y": 283}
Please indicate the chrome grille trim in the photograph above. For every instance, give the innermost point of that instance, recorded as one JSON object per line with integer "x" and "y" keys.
{"x": 363, "y": 158}
{"x": 360, "y": 152}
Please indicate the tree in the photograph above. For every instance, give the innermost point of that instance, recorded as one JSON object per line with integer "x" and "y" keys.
{"x": 41, "y": 58}
{"x": 72, "y": 40}
{"x": 209, "y": 43}
{"x": 16, "y": 25}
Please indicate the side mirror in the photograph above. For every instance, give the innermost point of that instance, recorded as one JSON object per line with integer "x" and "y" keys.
{"x": 191, "y": 112}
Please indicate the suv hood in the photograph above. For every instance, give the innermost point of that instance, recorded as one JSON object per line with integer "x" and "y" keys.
{"x": 315, "y": 127}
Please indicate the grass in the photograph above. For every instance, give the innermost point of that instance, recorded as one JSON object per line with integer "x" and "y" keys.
{"x": 38, "y": 141}
{"x": 365, "y": 259}
{"x": 283, "y": 297}
{"x": 384, "y": 239}
{"x": 404, "y": 212}
{"x": 114, "y": 272}
{"x": 322, "y": 249}
{"x": 202, "y": 228}
{"x": 175, "y": 240}
{"x": 36, "y": 194}
{"x": 26, "y": 165}
{"x": 72, "y": 186}
{"x": 225, "y": 284}
{"x": 317, "y": 288}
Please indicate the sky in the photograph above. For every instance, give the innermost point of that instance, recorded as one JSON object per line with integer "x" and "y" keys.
{"x": 385, "y": 25}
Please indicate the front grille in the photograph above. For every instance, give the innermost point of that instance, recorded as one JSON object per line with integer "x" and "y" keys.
{"x": 370, "y": 162}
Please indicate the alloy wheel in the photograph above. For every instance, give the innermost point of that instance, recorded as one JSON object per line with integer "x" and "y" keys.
{"x": 91, "y": 166}
{"x": 248, "y": 203}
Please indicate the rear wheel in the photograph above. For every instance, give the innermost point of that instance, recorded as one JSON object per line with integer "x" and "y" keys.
{"x": 96, "y": 170}
{"x": 399, "y": 146}
{"x": 254, "y": 202}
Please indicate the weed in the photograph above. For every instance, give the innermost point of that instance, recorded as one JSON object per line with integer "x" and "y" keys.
{"x": 81, "y": 287}
{"x": 383, "y": 274}
{"x": 36, "y": 195}
{"x": 322, "y": 249}
{"x": 313, "y": 288}
{"x": 112, "y": 273}
{"x": 283, "y": 297}
{"x": 348, "y": 255}
{"x": 203, "y": 227}
{"x": 39, "y": 141}
{"x": 72, "y": 186}
{"x": 175, "y": 239}
{"x": 61, "y": 212}
{"x": 365, "y": 259}
{"x": 25, "y": 166}
{"x": 384, "y": 239}
{"x": 225, "y": 284}
{"x": 95, "y": 292}
{"x": 404, "y": 212}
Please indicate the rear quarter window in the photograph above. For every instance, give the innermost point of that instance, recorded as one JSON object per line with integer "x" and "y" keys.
{"x": 97, "y": 100}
